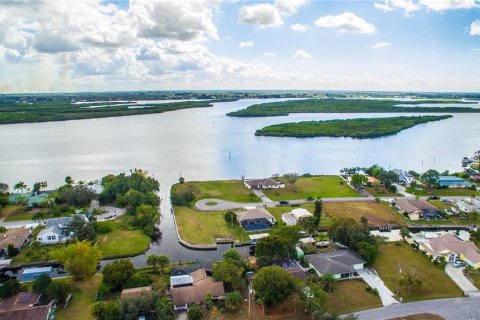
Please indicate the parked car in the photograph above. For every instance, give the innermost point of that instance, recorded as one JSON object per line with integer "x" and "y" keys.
{"x": 433, "y": 197}
{"x": 458, "y": 264}
{"x": 283, "y": 202}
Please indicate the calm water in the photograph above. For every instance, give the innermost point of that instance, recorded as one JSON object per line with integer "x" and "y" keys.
{"x": 204, "y": 144}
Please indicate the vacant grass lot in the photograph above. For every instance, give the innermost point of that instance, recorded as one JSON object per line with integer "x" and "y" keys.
{"x": 378, "y": 214}
{"x": 37, "y": 254}
{"x": 123, "y": 242}
{"x": 230, "y": 190}
{"x": 419, "y": 191}
{"x": 315, "y": 186}
{"x": 15, "y": 212}
{"x": 350, "y": 296}
{"x": 394, "y": 257}
{"x": 83, "y": 296}
{"x": 204, "y": 227}
{"x": 379, "y": 190}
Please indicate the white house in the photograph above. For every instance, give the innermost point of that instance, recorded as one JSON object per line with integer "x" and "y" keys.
{"x": 263, "y": 184}
{"x": 56, "y": 230}
{"x": 289, "y": 219}
{"x": 296, "y": 216}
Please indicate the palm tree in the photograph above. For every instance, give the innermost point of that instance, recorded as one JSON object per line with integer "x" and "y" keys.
{"x": 39, "y": 216}
{"x": 20, "y": 186}
{"x": 327, "y": 281}
{"x": 310, "y": 226}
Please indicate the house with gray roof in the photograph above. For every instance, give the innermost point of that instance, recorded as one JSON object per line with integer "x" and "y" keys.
{"x": 343, "y": 264}
{"x": 56, "y": 230}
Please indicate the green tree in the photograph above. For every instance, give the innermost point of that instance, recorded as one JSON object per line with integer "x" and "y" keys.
{"x": 358, "y": 180}
{"x": 164, "y": 309}
{"x": 59, "y": 291}
{"x": 328, "y": 280}
{"x": 230, "y": 271}
{"x": 231, "y": 219}
{"x": 374, "y": 170}
{"x": 155, "y": 260}
{"x": 78, "y": 196}
{"x": 81, "y": 229}
{"x": 431, "y": 178}
{"x": 404, "y": 233}
{"x": 314, "y": 300}
{"x": 411, "y": 280}
{"x": 273, "y": 285}
{"x": 233, "y": 300}
{"x": 310, "y": 225}
{"x": 195, "y": 312}
{"x": 232, "y": 255}
{"x": 388, "y": 178}
{"x": 3, "y": 188}
{"x": 9, "y": 288}
{"x": 106, "y": 310}
{"x": 271, "y": 248}
{"x": 20, "y": 186}
{"x": 11, "y": 250}
{"x": 367, "y": 251}
{"x": 80, "y": 259}
{"x": 146, "y": 216}
{"x": 40, "y": 284}
{"x": 39, "y": 216}
{"x": 117, "y": 273}
{"x": 69, "y": 181}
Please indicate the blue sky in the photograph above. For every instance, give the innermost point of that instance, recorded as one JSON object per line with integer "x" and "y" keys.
{"x": 404, "y": 45}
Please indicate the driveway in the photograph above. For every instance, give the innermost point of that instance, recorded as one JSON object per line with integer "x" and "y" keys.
{"x": 222, "y": 205}
{"x": 456, "y": 274}
{"x": 110, "y": 213}
{"x": 374, "y": 281}
{"x": 450, "y": 309}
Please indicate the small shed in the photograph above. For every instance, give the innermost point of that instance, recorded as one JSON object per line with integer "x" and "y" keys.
{"x": 33, "y": 273}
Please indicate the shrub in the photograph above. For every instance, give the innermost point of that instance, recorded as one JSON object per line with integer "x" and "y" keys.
{"x": 230, "y": 218}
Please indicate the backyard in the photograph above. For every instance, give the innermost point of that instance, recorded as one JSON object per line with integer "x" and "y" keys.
{"x": 313, "y": 186}
{"x": 133, "y": 242}
{"x": 230, "y": 190}
{"x": 379, "y": 190}
{"x": 420, "y": 191}
{"x": 83, "y": 296}
{"x": 395, "y": 258}
{"x": 350, "y": 296}
{"x": 204, "y": 227}
{"x": 377, "y": 214}
{"x": 15, "y": 212}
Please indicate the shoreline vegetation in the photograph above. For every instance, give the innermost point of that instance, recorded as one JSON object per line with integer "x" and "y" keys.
{"x": 43, "y": 112}
{"x": 329, "y": 105}
{"x": 351, "y": 128}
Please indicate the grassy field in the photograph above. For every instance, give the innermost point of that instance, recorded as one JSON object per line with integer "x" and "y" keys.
{"x": 475, "y": 275}
{"x": 15, "y": 212}
{"x": 314, "y": 186}
{"x": 419, "y": 191}
{"x": 203, "y": 227}
{"x": 378, "y": 214}
{"x": 31, "y": 254}
{"x": 350, "y": 296}
{"x": 123, "y": 242}
{"x": 230, "y": 190}
{"x": 394, "y": 257}
{"x": 83, "y": 296}
{"x": 379, "y": 190}
{"x": 365, "y": 128}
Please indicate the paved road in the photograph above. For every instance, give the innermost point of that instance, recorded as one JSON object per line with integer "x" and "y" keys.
{"x": 19, "y": 224}
{"x": 456, "y": 274}
{"x": 374, "y": 281}
{"x": 223, "y": 205}
{"x": 450, "y": 309}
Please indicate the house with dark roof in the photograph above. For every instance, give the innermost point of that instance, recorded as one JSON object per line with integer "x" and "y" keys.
{"x": 263, "y": 184}
{"x": 186, "y": 290}
{"x": 255, "y": 219}
{"x": 416, "y": 209}
{"x": 343, "y": 264}
{"x": 56, "y": 230}
{"x": 405, "y": 207}
{"x": 26, "y": 306}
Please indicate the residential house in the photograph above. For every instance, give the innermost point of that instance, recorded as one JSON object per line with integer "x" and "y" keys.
{"x": 475, "y": 177}
{"x": 428, "y": 211}
{"x": 263, "y": 184}
{"x": 26, "y": 306}
{"x": 453, "y": 182}
{"x": 56, "y": 230}
{"x": 292, "y": 267}
{"x": 452, "y": 248}
{"x": 404, "y": 177}
{"x": 405, "y": 207}
{"x": 186, "y": 290}
{"x": 135, "y": 292}
{"x": 469, "y": 205}
{"x": 255, "y": 219}
{"x": 32, "y": 199}
{"x": 343, "y": 264}
{"x": 15, "y": 237}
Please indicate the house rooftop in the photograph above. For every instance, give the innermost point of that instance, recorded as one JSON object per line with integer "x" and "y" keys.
{"x": 201, "y": 286}
{"x": 300, "y": 213}
{"x": 257, "y": 213}
{"x": 134, "y": 292}
{"x": 450, "y": 243}
{"x": 14, "y": 237}
{"x": 335, "y": 262}
{"x": 258, "y": 183}
{"x": 406, "y": 206}
{"x": 24, "y": 306}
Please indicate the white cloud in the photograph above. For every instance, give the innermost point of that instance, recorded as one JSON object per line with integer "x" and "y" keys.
{"x": 475, "y": 28}
{"x": 302, "y": 55}
{"x": 409, "y": 6}
{"x": 345, "y": 22}
{"x": 297, "y": 27}
{"x": 269, "y": 14}
{"x": 269, "y": 54}
{"x": 245, "y": 44}
{"x": 381, "y": 45}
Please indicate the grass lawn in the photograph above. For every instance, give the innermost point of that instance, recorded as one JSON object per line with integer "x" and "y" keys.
{"x": 395, "y": 256}
{"x": 83, "y": 296}
{"x": 475, "y": 275}
{"x": 122, "y": 242}
{"x": 420, "y": 316}
{"x": 379, "y": 190}
{"x": 350, "y": 296}
{"x": 419, "y": 191}
{"x": 37, "y": 254}
{"x": 315, "y": 186}
{"x": 203, "y": 227}
{"x": 230, "y": 190}
{"x": 278, "y": 211}
{"x": 15, "y": 212}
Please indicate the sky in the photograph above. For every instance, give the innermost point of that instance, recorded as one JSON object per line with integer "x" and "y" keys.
{"x": 98, "y": 45}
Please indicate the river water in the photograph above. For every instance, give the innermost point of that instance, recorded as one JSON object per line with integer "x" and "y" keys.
{"x": 204, "y": 144}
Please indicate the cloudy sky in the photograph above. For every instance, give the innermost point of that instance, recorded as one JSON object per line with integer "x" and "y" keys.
{"x": 420, "y": 45}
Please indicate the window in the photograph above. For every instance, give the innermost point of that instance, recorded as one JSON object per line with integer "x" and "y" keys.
{"x": 40, "y": 239}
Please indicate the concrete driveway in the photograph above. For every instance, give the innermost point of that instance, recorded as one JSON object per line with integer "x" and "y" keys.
{"x": 456, "y": 274}
{"x": 374, "y": 281}
{"x": 223, "y": 205}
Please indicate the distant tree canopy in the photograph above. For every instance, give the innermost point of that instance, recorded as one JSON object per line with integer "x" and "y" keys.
{"x": 145, "y": 218}
{"x": 358, "y": 180}
{"x": 131, "y": 191}
{"x": 76, "y": 195}
{"x": 431, "y": 178}
{"x": 273, "y": 285}
{"x": 80, "y": 259}
{"x": 3, "y": 194}
{"x": 183, "y": 194}
{"x": 280, "y": 244}
{"x": 81, "y": 229}
{"x": 117, "y": 273}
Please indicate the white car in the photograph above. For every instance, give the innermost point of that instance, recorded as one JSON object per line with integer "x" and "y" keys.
{"x": 458, "y": 264}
